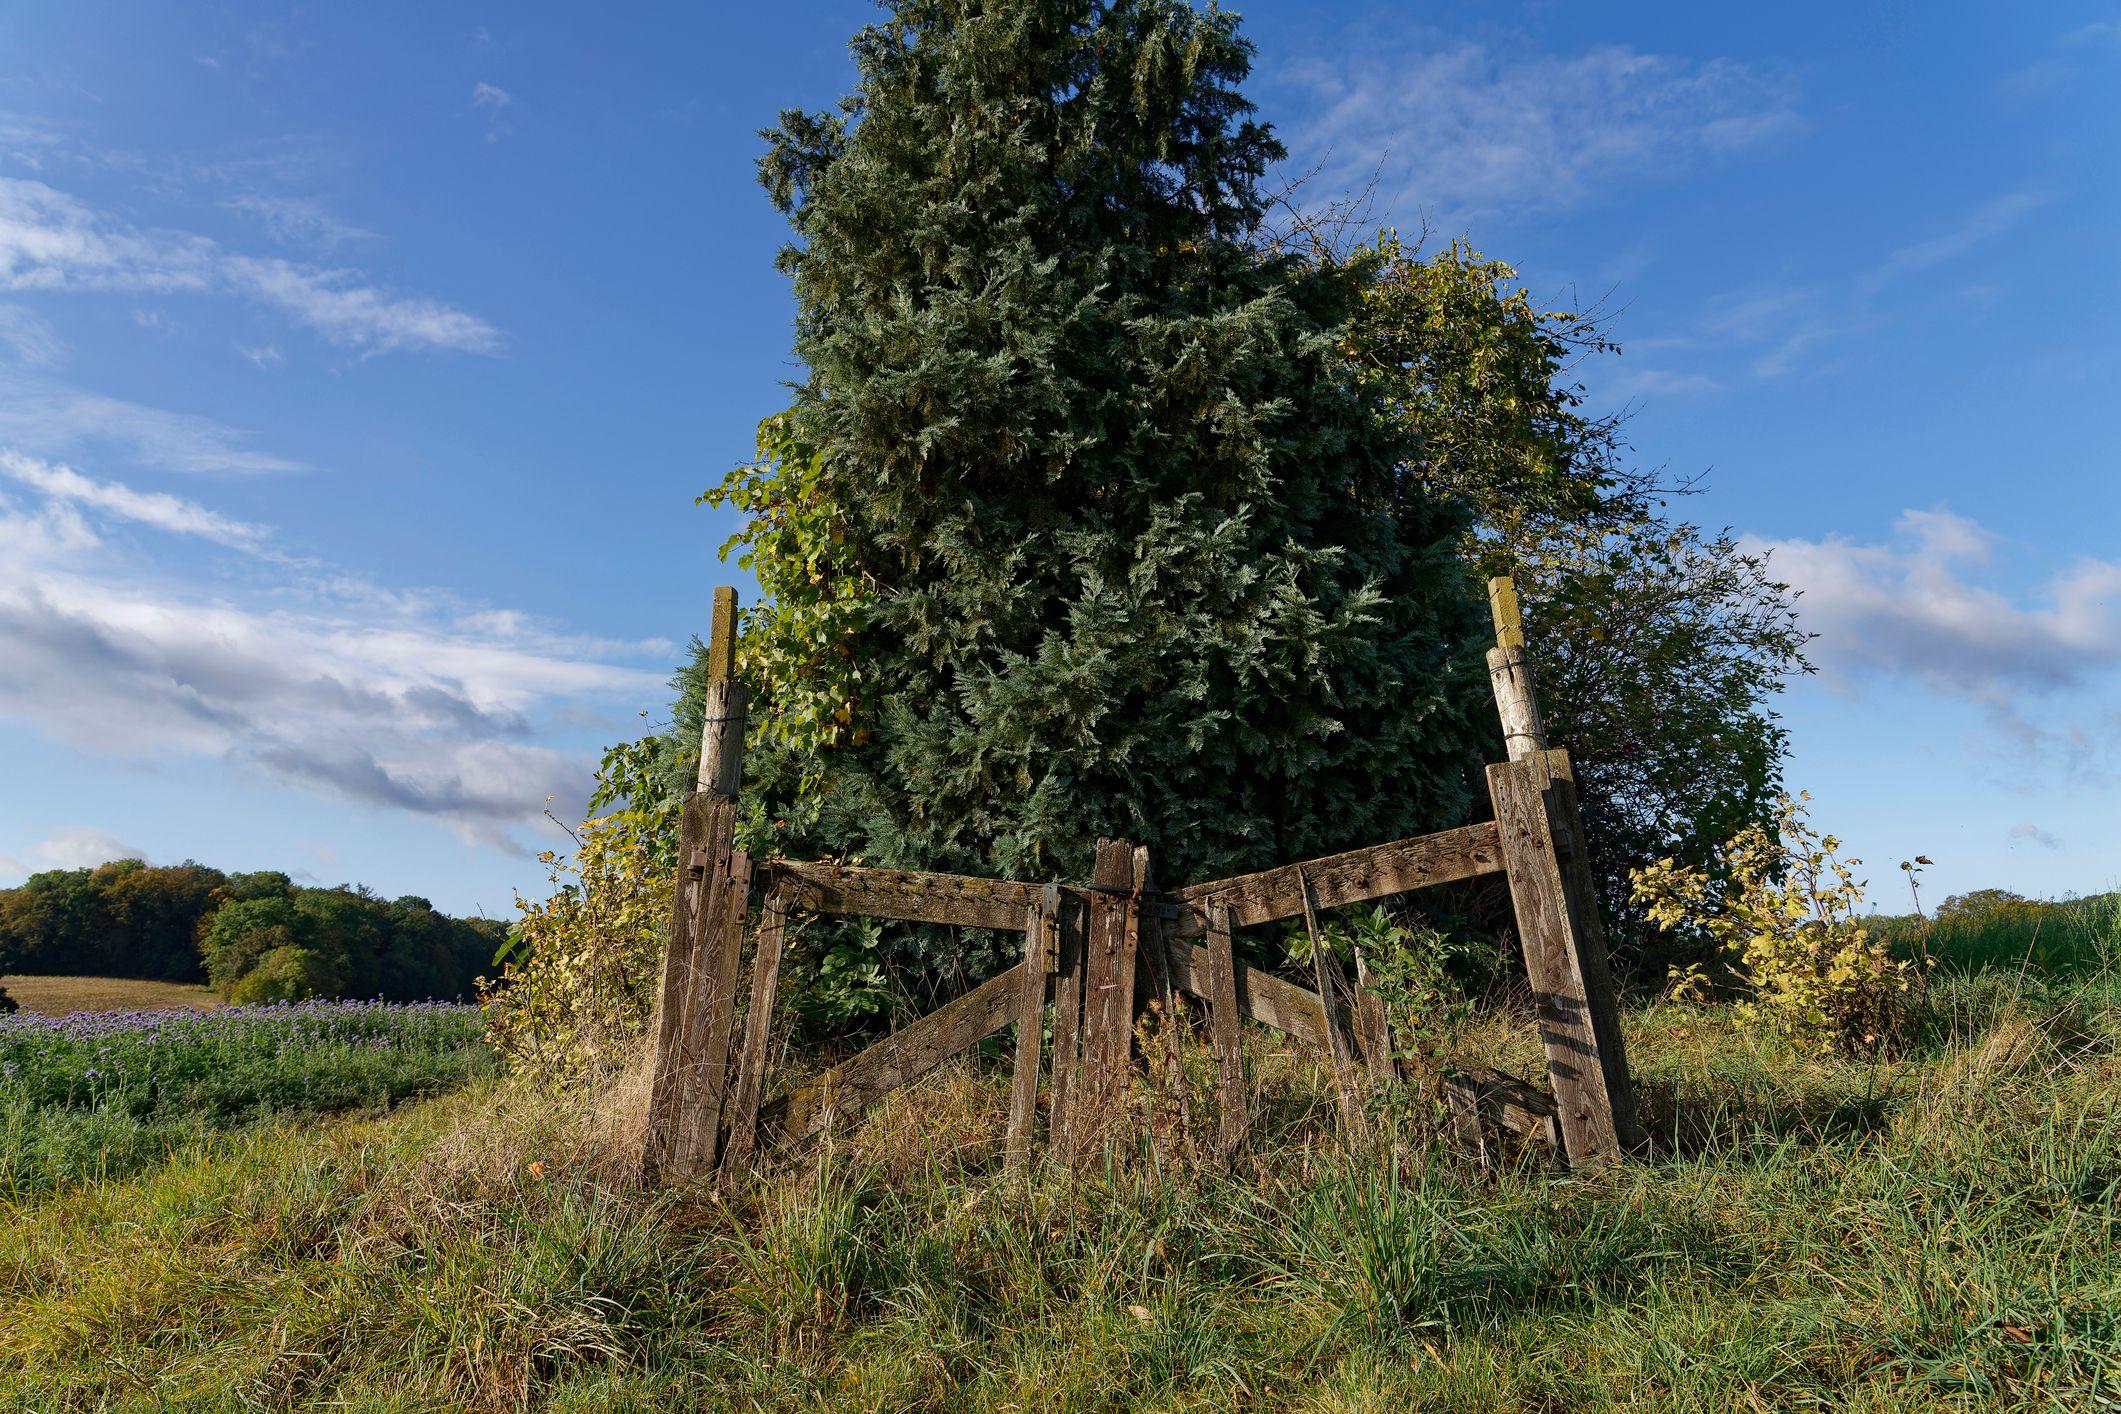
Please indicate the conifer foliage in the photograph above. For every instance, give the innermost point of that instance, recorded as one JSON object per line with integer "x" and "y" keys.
{"x": 1078, "y": 524}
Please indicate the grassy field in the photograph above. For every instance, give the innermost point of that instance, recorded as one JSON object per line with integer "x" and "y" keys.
{"x": 1934, "y": 1231}
{"x": 97, "y": 1095}
{"x": 56, "y": 996}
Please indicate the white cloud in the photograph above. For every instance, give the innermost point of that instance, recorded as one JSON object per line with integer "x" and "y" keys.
{"x": 1912, "y": 607}
{"x": 400, "y": 701}
{"x": 69, "y": 847}
{"x": 2041, "y": 664}
{"x": 151, "y": 508}
{"x": 50, "y": 241}
{"x": 1465, "y": 130}
{"x": 347, "y": 312}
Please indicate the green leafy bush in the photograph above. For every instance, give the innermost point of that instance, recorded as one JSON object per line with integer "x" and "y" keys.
{"x": 578, "y": 980}
{"x": 1782, "y": 909}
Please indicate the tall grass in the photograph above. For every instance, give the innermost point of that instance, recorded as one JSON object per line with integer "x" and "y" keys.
{"x": 2071, "y": 937}
{"x": 1938, "y": 1231}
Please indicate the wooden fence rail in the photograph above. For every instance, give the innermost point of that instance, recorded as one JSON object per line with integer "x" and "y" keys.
{"x": 1098, "y": 954}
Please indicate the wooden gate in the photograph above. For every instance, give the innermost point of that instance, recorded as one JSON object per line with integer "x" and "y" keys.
{"x": 1097, "y": 954}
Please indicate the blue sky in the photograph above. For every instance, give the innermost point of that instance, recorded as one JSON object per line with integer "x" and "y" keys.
{"x": 359, "y": 365}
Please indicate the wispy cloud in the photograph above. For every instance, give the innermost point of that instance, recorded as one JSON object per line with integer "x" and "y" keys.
{"x": 50, "y": 241}
{"x": 402, "y": 701}
{"x": 28, "y": 337}
{"x": 48, "y": 417}
{"x": 1468, "y": 130}
{"x": 492, "y": 100}
{"x": 2033, "y": 834}
{"x": 157, "y": 509}
{"x": 298, "y": 220}
{"x": 1656, "y": 382}
{"x": 1985, "y": 223}
{"x": 1779, "y": 333}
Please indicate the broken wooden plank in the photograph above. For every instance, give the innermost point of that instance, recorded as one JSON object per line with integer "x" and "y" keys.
{"x": 1331, "y": 988}
{"x": 758, "y": 1025}
{"x": 1030, "y": 1028}
{"x": 1356, "y": 876}
{"x": 1564, "y": 952}
{"x": 900, "y": 1058}
{"x": 1495, "y": 1114}
{"x": 1261, "y": 996}
{"x": 913, "y": 895}
{"x": 1234, "y": 1108}
{"x": 1372, "y": 1029}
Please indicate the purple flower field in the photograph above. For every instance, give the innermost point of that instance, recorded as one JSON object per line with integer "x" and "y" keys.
{"x": 236, "y": 1063}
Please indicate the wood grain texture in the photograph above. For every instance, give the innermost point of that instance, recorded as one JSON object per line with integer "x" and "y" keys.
{"x": 1504, "y": 609}
{"x": 1516, "y": 703}
{"x": 706, "y": 824}
{"x": 909, "y": 894}
{"x": 721, "y": 636}
{"x": 758, "y": 1025}
{"x": 900, "y": 1058}
{"x": 1495, "y": 1114}
{"x": 1067, "y": 1015}
{"x": 726, "y": 712}
{"x": 1356, "y": 876}
{"x": 1261, "y": 996}
{"x": 1234, "y": 1110}
{"x": 1030, "y": 1029}
{"x": 1372, "y": 1030}
{"x": 1593, "y": 962}
{"x": 1564, "y": 952}
{"x": 1108, "y": 990}
{"x": 711, "y": 1025}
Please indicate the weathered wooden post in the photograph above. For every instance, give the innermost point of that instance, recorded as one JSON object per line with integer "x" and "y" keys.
{"x": 1332, "y": 987}
{"x": 1041, "y": 937}
{"x": 1544, "y": 855}
{"x": 1511, "y": 672}
{"x": 696, "y": 1006}
{"x": 1111, "y": 954}
{"x": 1223, "y": 1013}
{"x": 1072, "y": 949}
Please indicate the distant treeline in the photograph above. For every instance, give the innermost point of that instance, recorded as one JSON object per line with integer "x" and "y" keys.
{"x": 252, "y": 937}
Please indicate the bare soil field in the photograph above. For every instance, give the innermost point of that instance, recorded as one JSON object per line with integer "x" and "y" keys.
{"x": 56, "y": 996}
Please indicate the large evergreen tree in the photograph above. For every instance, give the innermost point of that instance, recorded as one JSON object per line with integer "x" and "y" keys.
{"x": 1079, "y": 523}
